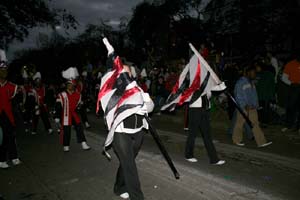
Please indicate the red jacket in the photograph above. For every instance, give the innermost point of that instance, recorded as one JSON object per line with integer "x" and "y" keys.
{"x": 69, "y": 103}
{"x": 7, "y": 93}
{"x": 40, "y": 92}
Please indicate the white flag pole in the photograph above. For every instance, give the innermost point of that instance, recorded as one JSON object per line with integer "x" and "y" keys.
{"x": 206, "y": 65}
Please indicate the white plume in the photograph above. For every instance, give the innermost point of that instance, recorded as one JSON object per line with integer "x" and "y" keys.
{"x": 37, "y": 75}
{"x": 144, "y": 73}
{"x": 70, "y": 74}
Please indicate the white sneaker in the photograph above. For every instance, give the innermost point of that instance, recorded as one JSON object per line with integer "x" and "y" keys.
{"x": 85, "y": 146}
{"x": 124, "y": 195}
{"x": 192, "y": 160}
{"x": 186, "y": 129}
{"x": 16, "y": 161}
{"x": 87, "y": 125}
{"x": 264, "y": 145}
{"x": 33, "y": 133}
{"x": 66, "y": 148}
{"x": 50, "y": 131}
{"x": 4, "y": 165}
{"x": 220, "y": 162}
{"x": 240, "y": 144}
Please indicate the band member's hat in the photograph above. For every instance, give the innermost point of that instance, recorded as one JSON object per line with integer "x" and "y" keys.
{"x": 143, "y": 73}
{"x": 71, "y": 75}
{"x": 37, "y": 76}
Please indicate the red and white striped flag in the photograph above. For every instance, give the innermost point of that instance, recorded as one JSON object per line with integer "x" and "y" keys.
{"x": 120, "y": 97}
{"x": 196, "y": 79}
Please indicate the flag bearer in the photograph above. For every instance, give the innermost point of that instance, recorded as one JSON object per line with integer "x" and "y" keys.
{"x": 125, "y": 106}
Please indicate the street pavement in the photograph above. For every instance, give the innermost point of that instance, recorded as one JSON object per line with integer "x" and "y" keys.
{"x": 47, "y": 173}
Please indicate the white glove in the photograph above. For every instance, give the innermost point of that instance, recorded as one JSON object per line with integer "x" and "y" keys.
{"x": 109, "y": 48}
{"x": 57, "y": 120}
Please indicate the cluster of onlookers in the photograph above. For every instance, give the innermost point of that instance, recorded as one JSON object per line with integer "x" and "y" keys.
{"x": 276, "y": 86}
{"x": 159, "y": 82}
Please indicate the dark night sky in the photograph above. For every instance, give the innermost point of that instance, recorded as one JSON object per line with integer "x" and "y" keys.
{"x": 85, "y": 12}
{"x": 89, "y": 11}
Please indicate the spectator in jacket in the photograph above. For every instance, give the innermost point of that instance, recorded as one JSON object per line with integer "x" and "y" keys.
{"x": 246, "y": 97}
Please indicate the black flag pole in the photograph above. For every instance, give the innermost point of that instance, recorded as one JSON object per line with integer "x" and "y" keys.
{"x": 239, "y": 109}
{"x": 218, "y": 81}
{"x": 162, "y": 148}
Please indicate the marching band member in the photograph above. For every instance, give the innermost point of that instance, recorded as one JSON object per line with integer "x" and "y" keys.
{"x": 40, "y": 108}
{"x": 67, "y": 105}
{"x": 8, "y": 91}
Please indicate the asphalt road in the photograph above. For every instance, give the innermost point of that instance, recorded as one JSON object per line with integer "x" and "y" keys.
{"x": 48, "y": 173}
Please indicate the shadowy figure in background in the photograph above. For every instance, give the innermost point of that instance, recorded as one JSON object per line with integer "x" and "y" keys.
{"x": 291, "y": 77}
{"x": 265, "y": 87}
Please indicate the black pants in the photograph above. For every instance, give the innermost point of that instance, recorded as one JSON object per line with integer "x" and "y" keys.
{"x": 293, "y": 106}
{"x": 45, "y": 118}
{"x": 126, "y": 147}
{"x": 29, "y": 108}
{"x": 8, "y": 147}
{"x": 200, "y": 119}
{"x": 67, "y": 134}
{"x": 83, "y": 114}
{"x": 186, "y": 116}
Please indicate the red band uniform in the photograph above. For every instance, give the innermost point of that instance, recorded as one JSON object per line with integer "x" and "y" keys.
{"x": 41, "y": 110}
{"x": 8, "y": 148}
{"x": 67, "y": 104}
